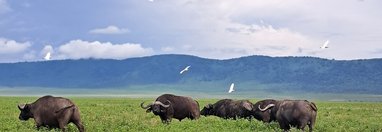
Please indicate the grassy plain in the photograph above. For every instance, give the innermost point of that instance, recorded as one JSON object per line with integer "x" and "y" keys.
{"x": 124, "y": 114}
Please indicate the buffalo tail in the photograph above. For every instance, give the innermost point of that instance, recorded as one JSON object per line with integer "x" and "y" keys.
{"x": 67, "y": 107}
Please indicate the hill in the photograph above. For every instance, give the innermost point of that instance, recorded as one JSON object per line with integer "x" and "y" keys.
{"x": 253, "y": 72}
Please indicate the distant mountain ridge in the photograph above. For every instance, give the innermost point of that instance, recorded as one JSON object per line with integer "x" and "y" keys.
{"x": 272, "y": 73}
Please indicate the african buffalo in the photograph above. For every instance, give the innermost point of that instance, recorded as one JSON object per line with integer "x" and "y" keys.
{"x": 52, "y": 112}
{"x": 168, "y": 106}
{"x": 228, "y": 108}
{"x": 295, "y": 113}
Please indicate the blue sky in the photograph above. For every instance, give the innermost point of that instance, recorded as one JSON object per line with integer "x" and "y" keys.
{"x": 220, "y": 29}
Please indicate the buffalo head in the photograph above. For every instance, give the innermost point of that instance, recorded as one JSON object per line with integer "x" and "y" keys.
{"x": 207, "y": 110}
{"x": 263, "y": 110}
{"x": 156, "y": 107}
{"x": 25, "y": 113}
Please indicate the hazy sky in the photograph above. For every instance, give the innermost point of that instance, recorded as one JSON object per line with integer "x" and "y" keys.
{"x": 221, "y": 29}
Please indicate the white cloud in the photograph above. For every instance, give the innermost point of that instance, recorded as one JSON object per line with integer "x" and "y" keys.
{"x": 46, "y": 49}
{"x": 29, "y": 56}
{"x": 12, "y": 47}
{"x": 77, "y": 49}
{"x": 4, "y": 7}
{"x": 167, "y": 49}
{"x": 216, "y": 29}
{"x": 232, "y": 39}
{"x": 109, "y": 30}
{"x": 264, "y": 39}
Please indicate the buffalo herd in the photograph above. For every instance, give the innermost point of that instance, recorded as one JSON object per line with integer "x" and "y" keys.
{"x": 57, "y": 112}
{"x": 288, "y": 113}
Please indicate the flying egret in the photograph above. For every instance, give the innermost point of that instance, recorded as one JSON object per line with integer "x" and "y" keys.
{"x": 325, "y": 45}
{"x": 185, "y": 69}
{"x": 231, "y": 88}
{"x": 47, "y": 56}
{"x": 151, "y": 0}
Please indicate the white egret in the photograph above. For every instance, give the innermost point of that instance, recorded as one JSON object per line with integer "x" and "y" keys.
{"x": 47, "y": 56}
{"x": 231, "y": 88}
{"x": 325, "y": 45}
{"x": 185, "y": 69}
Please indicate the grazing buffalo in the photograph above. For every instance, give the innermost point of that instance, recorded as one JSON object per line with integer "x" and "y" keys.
{"x": 295, "y": 113}
{"x": 52, "y": 112}
{"x": 228, "y": 108}
{"x": 168, "y": 106}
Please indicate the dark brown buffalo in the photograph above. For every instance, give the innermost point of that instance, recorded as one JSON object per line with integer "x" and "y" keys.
{"x": 228, "y": 108}
{"x": 295, "y": 113}
{"x": 168, "y": 106}
{"x": 52, "y": 112}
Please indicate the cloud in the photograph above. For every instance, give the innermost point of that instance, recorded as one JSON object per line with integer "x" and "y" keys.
{"x": 29, "y": 56}
{"x": 77, "y": 49}
{"x": 12, "y": 47}
{"x": 231, "y": 39}
{"x": 13, "y": 51}
{"x": 377, "y": 51}
{"x": 109, "y": 30}
{"x": 46, "y": 49}
{"x": 227, "y": 28}
{"x": 4, "y": 7}
{"x": 167, "y": 49}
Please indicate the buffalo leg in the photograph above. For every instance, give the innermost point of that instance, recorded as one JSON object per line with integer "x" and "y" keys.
{"x": 284, "y": 126}
{"x": 168, "y": 120}
{"x": 312, "y": 122}
{"x": 62, "y": 124}
{"x": 64, "y": 118}
{"x": 302, "y": 124}
{"x": 301, "y": 127}
{"x": 38, "y": 123}
{"x": 165, "y": 120}
{"x": 79, "y": 125}
{"x": 77, "y": 120}
{"x": 38, "y": 127}
{"x": 191, "y": 116}
{"x": 310, "y": 127}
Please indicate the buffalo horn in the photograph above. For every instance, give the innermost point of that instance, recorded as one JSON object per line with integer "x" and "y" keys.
{"x": 145, "y": 107}
{"x": 209, "y": 106}
{"x": 160, "y": 103}
{"x": 247, "y": 106}
{"x": 21, "y": 106}
{"x": 268, "y": 106}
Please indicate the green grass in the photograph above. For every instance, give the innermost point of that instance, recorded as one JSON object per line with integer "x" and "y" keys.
{"x": 124, "y": 114}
